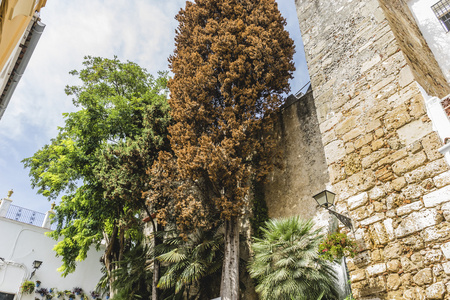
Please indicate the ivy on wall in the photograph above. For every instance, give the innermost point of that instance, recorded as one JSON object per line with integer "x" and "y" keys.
{"x": 259, "y": 208}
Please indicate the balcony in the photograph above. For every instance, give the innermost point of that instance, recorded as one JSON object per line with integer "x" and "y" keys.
{"x": 24, "y": 215}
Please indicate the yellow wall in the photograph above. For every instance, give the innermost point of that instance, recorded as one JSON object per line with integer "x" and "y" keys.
{"x": 15, "y": 15}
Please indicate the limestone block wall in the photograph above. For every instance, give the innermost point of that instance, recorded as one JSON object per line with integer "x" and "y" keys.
{"x": 303, "y": 171}
{"x": 380, "y": 148}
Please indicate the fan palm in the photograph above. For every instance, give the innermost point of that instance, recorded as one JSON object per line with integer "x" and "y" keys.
{"x": 134, "y": 274}
{"x": 287, "y": 265}
{"x": 190, "y": 264}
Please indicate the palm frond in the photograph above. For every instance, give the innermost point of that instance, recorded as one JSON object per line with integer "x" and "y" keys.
{"x": 286, "y": 262}
{"x": 189, "y": 261}
{"x": 173, "y": 256}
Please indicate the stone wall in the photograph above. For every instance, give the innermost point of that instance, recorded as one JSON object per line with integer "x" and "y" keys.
{"x": 303, "y": 172}
{"x": 380, "y": 149}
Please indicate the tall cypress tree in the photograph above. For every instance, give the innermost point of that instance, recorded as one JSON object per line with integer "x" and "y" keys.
{"x": 231, "y": 65}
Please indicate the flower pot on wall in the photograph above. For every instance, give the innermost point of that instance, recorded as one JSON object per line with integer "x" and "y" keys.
{"x": 77, "y": 290}
{"x": 27, "y": 287}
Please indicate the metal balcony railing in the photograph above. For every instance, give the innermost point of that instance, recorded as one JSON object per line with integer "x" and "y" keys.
{"x": 27, "y": 216}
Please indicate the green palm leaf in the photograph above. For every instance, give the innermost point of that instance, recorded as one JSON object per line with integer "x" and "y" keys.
{"x": 173, "y": 256}
{"x": 191, "y": 261}
{"x": 286, "y": 263}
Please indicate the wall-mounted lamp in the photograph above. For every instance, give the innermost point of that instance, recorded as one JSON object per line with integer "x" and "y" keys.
{"x": 36, "y": 265}
{"x": 326, "y": 199}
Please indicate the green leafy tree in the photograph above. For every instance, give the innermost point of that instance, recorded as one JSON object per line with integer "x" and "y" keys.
{"x": 99, "y": 160}
{"x": 231, "y": 65}
{"x": 287, "y": 265}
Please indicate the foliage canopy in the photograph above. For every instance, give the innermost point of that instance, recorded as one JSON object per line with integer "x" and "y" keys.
{"x": 231, "y": 66}
{"x": 99, "y": 160}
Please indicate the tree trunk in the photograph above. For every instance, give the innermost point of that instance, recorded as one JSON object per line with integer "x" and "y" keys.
{"x": 229, "y": 288}
{"x": 156, "y": 266}
{"x": 109, "y": 257}
{"x": 156, "y": 275}
{"x": 111, "y": 290}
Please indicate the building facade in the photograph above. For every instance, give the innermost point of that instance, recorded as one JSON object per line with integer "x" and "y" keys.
{"x": 20, "y": 30}
{"x": 23, "y": 241}
{"x": 377, "y": 126}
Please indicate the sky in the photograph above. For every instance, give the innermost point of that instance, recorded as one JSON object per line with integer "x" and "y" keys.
{"x": 139, "y": 31}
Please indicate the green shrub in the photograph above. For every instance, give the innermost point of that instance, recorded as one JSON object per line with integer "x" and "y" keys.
{"x": 337, "y": 245}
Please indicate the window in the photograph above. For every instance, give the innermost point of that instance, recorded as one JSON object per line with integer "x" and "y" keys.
{"x": 4, "y": 296}
{"x": 442, "y": 12}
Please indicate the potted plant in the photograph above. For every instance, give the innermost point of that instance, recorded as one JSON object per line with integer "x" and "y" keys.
{"x": 337, "y": 245}
{"x": 71, "y": 296}
{"x": 95, "y": 295}
{"x": 60, "y": 294}
{"x": 42, "y": 291}
{"x": 49, "y": 296}
{"x": 77, "y": 290}
{"x": 27, "y": 287}
{"x": 38, "y": 283}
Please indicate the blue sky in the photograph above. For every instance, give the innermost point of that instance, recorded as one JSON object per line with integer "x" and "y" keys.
{"x": 135, "y": 30}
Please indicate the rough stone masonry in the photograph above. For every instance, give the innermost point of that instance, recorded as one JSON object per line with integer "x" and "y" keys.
{"x": 367, "y": 61}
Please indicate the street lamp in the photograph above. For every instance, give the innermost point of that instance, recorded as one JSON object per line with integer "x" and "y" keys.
{"x": 325, "y": 199}
{"x": 36, "y": 265}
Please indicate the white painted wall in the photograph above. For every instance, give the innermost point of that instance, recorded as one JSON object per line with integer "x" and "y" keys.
{"x": 437, "y": 39}
{"x": 21, "y": 244}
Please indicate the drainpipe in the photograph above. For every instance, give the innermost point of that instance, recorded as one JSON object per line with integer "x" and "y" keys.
{"x": 19, "y": 265}
{"x": 26, "y": 52}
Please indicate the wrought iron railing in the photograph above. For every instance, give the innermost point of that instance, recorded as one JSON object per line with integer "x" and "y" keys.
{"x": 28, "y": 216}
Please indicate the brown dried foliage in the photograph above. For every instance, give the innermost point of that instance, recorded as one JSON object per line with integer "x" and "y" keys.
{"x": 232, "y": 63}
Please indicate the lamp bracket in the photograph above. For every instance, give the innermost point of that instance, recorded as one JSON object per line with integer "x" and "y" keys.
{"x": 345, "y": 220}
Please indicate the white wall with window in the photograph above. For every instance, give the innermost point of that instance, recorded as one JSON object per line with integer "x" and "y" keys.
{"x": 433, "y": 18}
{"x": 21, "y": 244}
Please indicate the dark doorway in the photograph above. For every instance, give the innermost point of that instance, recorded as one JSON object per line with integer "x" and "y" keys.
{"x": 5, "y": 296}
